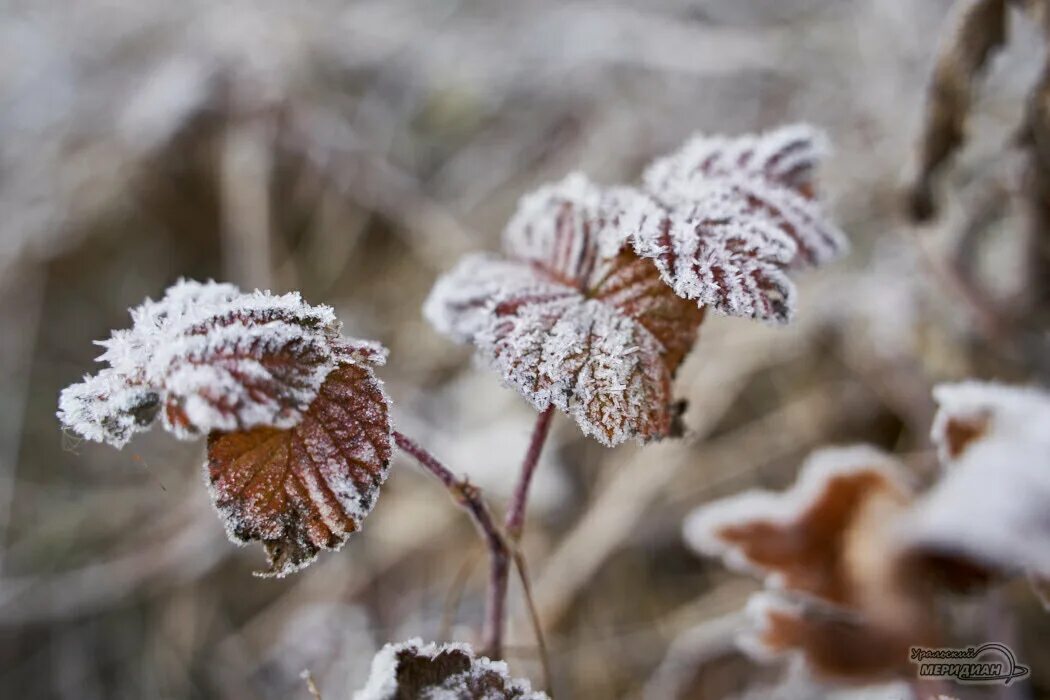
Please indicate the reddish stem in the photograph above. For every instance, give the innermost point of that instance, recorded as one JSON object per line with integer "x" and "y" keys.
{"x": 515, "y": 519}
{"x": 512, "y": 525}
{"x": 468, "y": 497}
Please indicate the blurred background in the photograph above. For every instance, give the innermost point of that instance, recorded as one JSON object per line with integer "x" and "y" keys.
{"x": 353, "y": 151}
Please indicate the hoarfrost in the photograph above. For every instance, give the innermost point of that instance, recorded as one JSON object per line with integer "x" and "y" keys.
{"x": 208, "y": 357}
{"x": 441, "y": 672}
{"x": 770, "y": 176}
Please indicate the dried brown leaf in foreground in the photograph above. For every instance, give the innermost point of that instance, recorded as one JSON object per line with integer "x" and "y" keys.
{"x": 413, "y": 671}
{"x": 811, "y": 538}
{"x": 297, "y": 422}
{"x": 827, "y": 545}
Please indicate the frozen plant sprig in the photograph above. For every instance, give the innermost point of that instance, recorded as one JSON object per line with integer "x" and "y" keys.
{"x": 297, "y": 422}
{"x": 600, "y": 291}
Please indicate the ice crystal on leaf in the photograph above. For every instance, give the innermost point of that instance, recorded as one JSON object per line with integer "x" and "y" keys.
{"x": 420, "y": 671}
{"x": 600, "y": 291}
{"x": 297, "y": 422}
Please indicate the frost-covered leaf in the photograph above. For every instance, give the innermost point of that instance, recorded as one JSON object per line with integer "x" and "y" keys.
{"x": 988, "y": 511}
{"x": 303, "y": 489}
{"x": 208, "y": 357}
{"x": 769, "y": 177}
{"x": 574, "y": 318}
{"x": 297, "y": 422}
{"x": 589, "y": 309}
{"x": 827, "y": 547}
{"x": 412, "y": 670}
{"x": 809, "y": 538}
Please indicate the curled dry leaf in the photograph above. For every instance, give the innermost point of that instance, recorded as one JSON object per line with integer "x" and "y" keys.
{"x": 842, "y": 601}
{"x": 986, "y": 515}
{"x": 600, "y": 292}
{"x": 412, "y": 670}
{"x": 297, "y": 422}
{"x": 810, "y": 538}
{"x": 980, "y": 31}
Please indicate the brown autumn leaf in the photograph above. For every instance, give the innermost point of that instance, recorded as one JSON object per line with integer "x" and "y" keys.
{"x": 811, "y": 538}
{"x": 842, "y": 598}
{"x": 836, "y": 642}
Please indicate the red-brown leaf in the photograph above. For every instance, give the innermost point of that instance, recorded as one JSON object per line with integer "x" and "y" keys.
{"x": 306, "y": 488}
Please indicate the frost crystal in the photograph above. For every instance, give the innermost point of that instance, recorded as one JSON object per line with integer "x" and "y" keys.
{"x": 297, "y": 422}
{"x": 600, "y": 292}
{"x": 989, "y": 507}
{"x": 441, "y": 672}
{"x": 207, "y": 357}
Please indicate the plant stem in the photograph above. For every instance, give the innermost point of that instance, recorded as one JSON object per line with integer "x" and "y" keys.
{"x": 468, "y": 497}
{"x": 515, "y": 519}
{"x": 500, "y": 546}
{"x": 512, "y": 526}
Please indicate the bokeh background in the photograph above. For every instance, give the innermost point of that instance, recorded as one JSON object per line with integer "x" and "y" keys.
{"x": 353, "y": 151}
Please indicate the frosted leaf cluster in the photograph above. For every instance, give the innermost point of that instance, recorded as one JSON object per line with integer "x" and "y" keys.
{"x": 600, "y": 291}
{"x": 412, "y": 669}
{"x": 208, "y": 357}
{"x": 855, "y": 559}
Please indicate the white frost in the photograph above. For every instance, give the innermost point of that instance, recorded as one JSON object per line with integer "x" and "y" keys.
{"x": 990, "y": 505}
{"x": 770, "y": 174}
{"x": 208, "y": 357}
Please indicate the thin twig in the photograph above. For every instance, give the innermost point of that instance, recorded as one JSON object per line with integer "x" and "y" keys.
{"x": 534, "y": 616}
{"x": 468, "y": 497}
{"x": 455, "y": 593}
